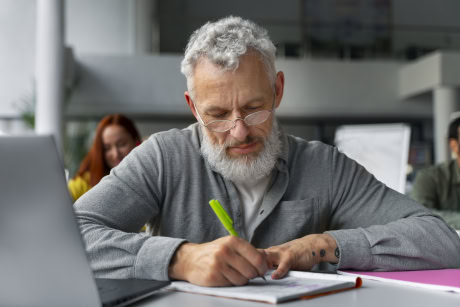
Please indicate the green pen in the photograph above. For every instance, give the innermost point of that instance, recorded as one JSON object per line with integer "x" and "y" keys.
{"x": 225, "y": 219}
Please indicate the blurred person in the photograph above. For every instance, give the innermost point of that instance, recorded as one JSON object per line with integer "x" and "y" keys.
{"x": 296, "y": 205}
{"x": 116, "y": 135}
{"x": 438, "y": 187}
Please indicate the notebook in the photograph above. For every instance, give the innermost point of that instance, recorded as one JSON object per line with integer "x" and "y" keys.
{"x": 42, "y": 256}
{"x": 296, "y": 285}
{"x": 443, "y": 280}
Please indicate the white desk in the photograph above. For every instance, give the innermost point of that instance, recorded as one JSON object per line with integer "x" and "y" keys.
{"x": 371, "y": 294}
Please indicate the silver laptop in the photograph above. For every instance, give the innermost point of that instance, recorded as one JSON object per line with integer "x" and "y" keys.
{"x": 42, "y": 256}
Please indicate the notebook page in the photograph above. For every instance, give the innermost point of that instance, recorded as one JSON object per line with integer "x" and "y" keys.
{"x": 274, "y": 291}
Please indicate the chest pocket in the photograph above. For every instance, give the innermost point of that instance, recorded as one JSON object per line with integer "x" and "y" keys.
{"x": 288, "y": 221}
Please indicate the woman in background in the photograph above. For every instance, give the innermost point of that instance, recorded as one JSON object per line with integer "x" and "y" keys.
{"x": 115, "y": 137}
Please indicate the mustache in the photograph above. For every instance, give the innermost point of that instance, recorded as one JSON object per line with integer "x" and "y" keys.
{"x": 248, "y": 140}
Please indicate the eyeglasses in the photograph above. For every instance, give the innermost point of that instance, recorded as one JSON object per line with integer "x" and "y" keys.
{"x": 225, "y": 125}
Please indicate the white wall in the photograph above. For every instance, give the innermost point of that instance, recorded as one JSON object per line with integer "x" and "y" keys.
{"x": 100, "y": 27}
{"x": 127, "y": 84}
{"x": 17, "y": 49}
{"x": 105, "y": 27}
{"x": 154, "y": 84}
{"x": 97, "y": 27}
{"x": 336, "y": 88}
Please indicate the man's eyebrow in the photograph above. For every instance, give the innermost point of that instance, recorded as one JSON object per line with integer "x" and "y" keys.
{"x": 214, "y": 108}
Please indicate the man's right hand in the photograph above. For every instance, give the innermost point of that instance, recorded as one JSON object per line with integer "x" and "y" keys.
{"x": 224, "y": 262}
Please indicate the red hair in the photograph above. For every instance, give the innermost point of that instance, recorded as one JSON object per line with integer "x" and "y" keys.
{"x": 94, "y": 161}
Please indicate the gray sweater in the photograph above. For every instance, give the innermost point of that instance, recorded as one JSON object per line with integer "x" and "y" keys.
{"x": 314, "y": 189}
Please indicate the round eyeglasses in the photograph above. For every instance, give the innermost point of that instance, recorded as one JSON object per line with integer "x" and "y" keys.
{"x": 225, "y": 125}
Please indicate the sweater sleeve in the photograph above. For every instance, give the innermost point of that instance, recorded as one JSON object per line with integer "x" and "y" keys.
{"x": 377, "y": 228}
{"x": 111, "y": 214}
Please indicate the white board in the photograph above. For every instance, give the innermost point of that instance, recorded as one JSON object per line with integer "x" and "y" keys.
{"x": 383, "y": 149}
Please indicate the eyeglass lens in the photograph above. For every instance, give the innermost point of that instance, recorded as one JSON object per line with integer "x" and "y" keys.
{"x": 252, "y": 119}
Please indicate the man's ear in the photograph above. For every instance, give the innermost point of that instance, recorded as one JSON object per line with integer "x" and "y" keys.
{"x": 279, "y": 86}
{"x": 189, "y": 100}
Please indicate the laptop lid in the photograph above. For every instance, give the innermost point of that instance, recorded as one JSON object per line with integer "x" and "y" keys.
{"x": 42, "y": 256}
{"x": 42, "y": 262}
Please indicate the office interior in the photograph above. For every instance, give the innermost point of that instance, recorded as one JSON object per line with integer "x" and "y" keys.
{"x": 345, "y": 62}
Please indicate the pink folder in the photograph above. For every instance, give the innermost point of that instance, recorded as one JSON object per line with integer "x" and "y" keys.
{"x": 445, "y": 280}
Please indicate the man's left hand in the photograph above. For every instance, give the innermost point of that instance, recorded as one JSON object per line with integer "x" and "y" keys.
{"x": 302, "y": 254}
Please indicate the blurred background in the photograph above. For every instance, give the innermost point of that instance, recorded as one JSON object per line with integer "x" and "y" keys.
{"x": 346, "y": 62}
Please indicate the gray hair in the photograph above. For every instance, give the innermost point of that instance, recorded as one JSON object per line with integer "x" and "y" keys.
{"x": 223, "y": 43}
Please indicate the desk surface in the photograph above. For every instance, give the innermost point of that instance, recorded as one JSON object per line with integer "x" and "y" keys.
{"x": 372, "y": 293}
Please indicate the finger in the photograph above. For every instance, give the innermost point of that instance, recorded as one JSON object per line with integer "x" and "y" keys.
{"x": 260, "y": 262}
{"x": 242, "y": 265}
{"x": 255, "y": 257}
{"x": 210, "y": 277}
{"x": 265, "y": 259}
{"x": 282, "y": 270}
{"x": 219, "y": 280}
{"x": 273, "y": 258}
{"x": 235, "y": 253}
{"x": 234, "y": 277}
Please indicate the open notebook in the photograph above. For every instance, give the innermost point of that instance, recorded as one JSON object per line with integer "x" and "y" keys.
{"x": 296, "y": 285}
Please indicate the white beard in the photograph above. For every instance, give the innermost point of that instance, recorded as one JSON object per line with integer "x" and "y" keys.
{"x": 247, "y": 168}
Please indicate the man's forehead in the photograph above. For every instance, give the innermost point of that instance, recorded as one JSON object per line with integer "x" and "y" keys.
{"x": 216, "y": 82}
{"x": 211, "y": 82}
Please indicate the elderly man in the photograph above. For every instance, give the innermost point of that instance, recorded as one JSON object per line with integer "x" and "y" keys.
{"x": 295, "y": 204}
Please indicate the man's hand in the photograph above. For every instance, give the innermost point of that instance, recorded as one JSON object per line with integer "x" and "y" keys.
{"x": 224, "y": 262}
{"x": 302, "y": 254}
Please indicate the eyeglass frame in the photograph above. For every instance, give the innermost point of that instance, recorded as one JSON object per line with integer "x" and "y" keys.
{"x": 238, "y": 118}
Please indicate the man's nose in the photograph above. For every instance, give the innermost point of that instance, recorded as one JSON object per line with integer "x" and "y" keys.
{"x": 240, "y": 131}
